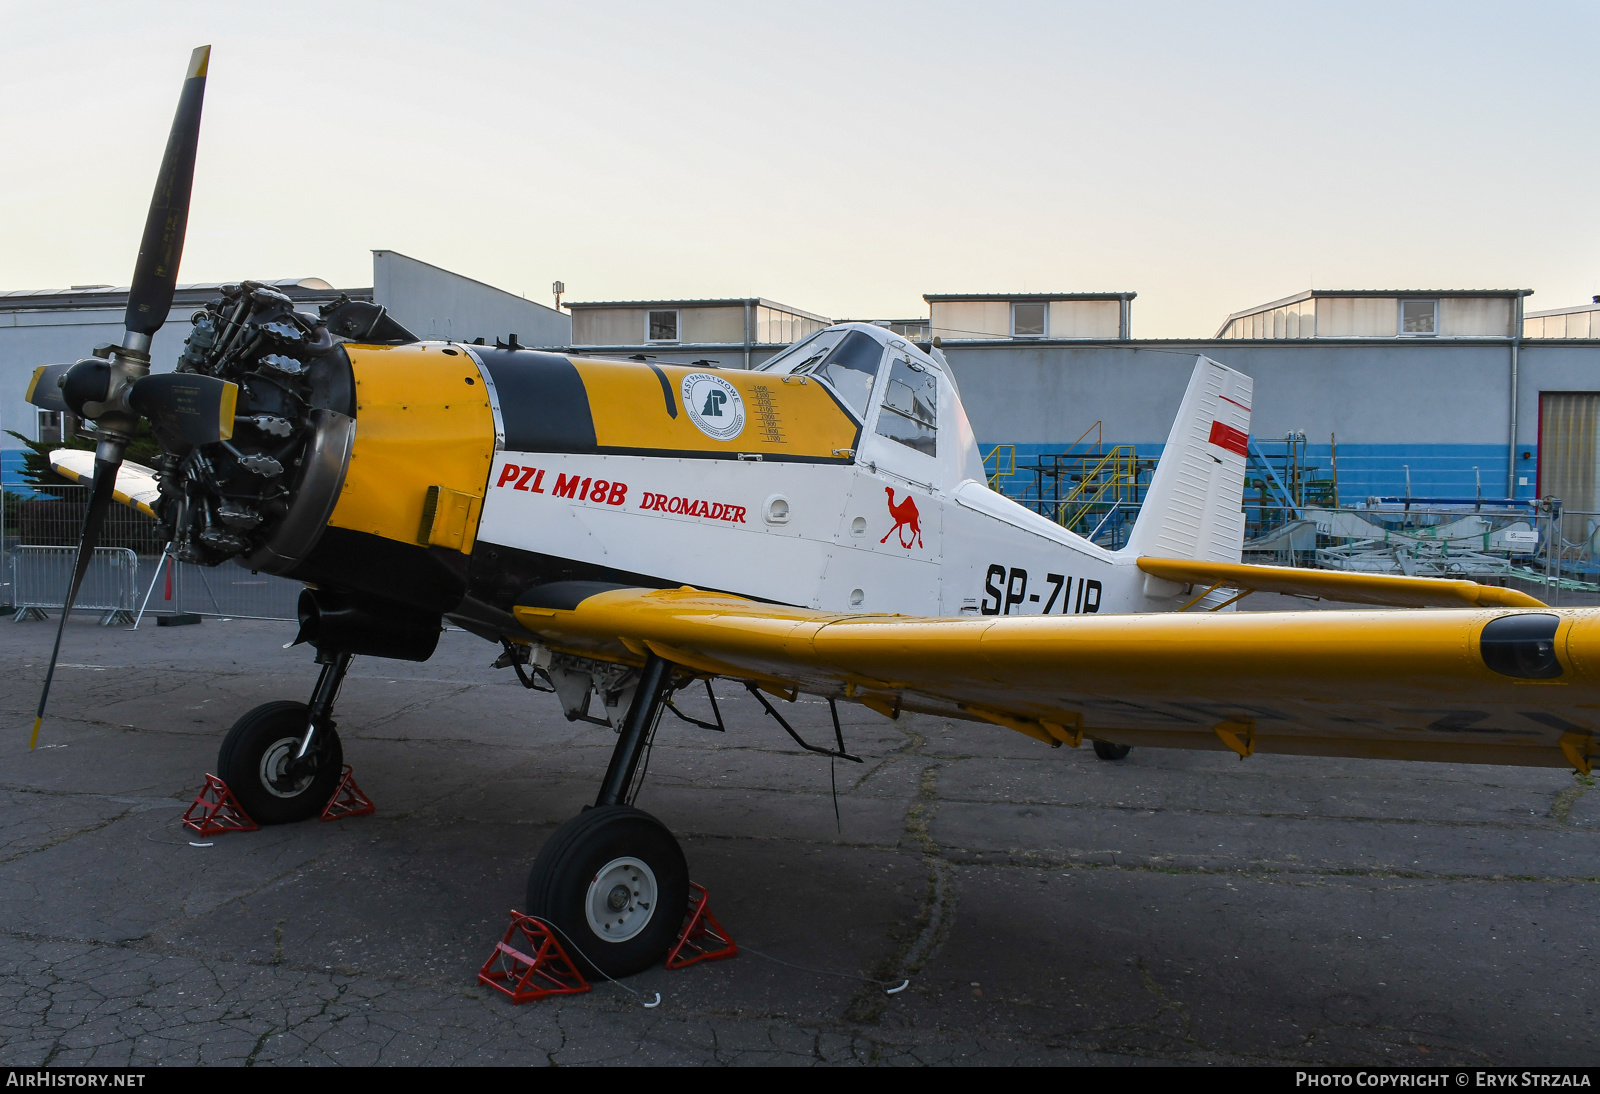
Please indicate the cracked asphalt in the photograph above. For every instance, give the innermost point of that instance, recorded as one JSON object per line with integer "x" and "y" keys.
{"x": 1048, "y": 907}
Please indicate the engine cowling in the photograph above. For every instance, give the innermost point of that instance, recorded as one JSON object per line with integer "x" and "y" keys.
{"x": 262, "y": 496}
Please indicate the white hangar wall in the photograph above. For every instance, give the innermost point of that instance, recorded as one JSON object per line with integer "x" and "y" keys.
{"x": 435, "y": 303}
{"x": 1438, "y": 408}
{"x": 56, "y": 325}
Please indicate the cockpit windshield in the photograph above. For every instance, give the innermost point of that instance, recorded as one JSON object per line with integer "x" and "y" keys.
{"x": 848, "y": 361}
{"x": 852, "y": 369}
{"x": 803, "y": 353}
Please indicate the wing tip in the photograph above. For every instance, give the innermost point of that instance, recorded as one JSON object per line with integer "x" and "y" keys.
{"x": 1497, "y": 596}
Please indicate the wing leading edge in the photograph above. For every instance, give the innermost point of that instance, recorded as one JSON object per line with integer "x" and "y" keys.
{"x": 1396, "y": 685}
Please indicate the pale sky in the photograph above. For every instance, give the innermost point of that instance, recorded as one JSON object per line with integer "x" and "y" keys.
{"x": 843, "y": 158}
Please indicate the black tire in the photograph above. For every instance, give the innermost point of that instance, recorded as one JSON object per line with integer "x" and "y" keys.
{"x": 1108, "y": 751}
{"x": 567, "y": 876}
{"x": 255, "y": 748}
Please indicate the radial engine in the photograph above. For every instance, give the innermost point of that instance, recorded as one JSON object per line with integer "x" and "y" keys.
{"x": 261, "y": 495}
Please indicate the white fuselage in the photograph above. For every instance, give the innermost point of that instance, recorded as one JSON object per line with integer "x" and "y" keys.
{"x": 907, "y": 529}
{"x": 815, "y": 536}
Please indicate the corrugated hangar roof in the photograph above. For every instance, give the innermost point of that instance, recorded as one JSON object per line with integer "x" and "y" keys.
{"x": 109, "y": 296}
{"x": 936, "y": 297}
{"x": 713, "y": 302}
{"x": 1319, "y": 294}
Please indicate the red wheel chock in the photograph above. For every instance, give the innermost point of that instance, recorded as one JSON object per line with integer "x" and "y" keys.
{"x": 347, "y": 800}
{"x": 704, "y": 938}
{"x": 548, "y": 972}
{"x": 215, "y": 810}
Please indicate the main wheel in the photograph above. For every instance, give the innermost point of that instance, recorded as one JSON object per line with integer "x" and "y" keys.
{"x": 255, "y": 763}
{"x": 1108, "y": 751}
{"x": 614, "y": 883}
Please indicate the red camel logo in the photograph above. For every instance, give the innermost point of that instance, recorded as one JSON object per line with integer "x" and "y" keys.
{"x": 907, "y": 521}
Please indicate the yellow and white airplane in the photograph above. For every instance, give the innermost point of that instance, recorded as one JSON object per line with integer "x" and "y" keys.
{"x": 821, "y": 524}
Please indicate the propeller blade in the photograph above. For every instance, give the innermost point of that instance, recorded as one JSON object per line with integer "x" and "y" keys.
{"x": 44, "y": 390}
{"x": 160, "y": 250}
{"x": 105, "y": 480}
{"x": 186, "y": 406}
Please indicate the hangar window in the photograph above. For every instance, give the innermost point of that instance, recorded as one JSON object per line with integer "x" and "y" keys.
{"x": 663, "y": 327}
{"x": 911, "y": 408}
{"x": 1028, "y": 320}
{"x": 50, "y": 426}
{"x": 1419, "y": 317}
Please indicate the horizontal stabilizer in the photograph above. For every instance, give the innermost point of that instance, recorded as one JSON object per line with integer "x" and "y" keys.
{"x": 136, "y": 484}
{"x": 1388, "y": 590}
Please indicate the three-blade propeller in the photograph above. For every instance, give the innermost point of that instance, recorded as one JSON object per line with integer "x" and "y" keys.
{"x": 114, "y": 388}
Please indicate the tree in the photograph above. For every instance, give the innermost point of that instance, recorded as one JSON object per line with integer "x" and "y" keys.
{"x": 36, "y": 470}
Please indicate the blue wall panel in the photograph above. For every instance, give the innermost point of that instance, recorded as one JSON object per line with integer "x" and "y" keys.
{"x": 1376, "y": 470}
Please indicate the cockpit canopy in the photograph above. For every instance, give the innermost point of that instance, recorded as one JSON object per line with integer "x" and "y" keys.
{"x": 898, "y": 392}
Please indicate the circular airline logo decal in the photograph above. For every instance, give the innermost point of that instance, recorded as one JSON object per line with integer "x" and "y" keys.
{"x": 714, "y": 405}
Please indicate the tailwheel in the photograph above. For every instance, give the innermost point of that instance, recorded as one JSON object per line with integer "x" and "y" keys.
{"x": 1108, "y": 751}
{"x": 258, "y": 762}
{"x": 614, "y": 883}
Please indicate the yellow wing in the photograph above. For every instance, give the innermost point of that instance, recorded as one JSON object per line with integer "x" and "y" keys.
{"x": 1389, "y": 590}
{"x": 136, "y": 484}
{"x": 1398, "y": 685}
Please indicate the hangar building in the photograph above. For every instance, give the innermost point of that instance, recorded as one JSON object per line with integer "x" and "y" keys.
{"x": 50, "y": 325}
{"x": 1444, "y": 388}
{"x": 1443, "y": 391}
{"x": 1413, "y": 390}
{"x": 738, "y": 333}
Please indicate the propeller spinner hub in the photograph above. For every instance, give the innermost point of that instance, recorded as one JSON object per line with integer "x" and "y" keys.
{"x": 97, "y": 388}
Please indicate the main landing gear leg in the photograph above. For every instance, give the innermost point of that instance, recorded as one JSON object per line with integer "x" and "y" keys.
{"x": 283, "y": 760}
{"x": 613, "y": 880}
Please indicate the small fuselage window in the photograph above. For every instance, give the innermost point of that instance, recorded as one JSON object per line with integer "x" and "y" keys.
{"x": 910, "y": 412}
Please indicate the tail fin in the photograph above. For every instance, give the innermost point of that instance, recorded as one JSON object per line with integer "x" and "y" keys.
{"x": 1192, "y": 508}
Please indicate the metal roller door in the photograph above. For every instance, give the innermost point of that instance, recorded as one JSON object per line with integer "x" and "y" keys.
{"x": 1569, "y": 448}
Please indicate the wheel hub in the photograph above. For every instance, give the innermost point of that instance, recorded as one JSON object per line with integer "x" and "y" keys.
{"x": 621, "y": 900}
{"x": 280, "y": 776}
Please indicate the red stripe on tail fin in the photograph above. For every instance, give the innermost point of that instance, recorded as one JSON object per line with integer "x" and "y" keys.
{"x": 1225, "y": 436}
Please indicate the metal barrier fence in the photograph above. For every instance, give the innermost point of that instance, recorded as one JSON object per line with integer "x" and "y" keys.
{"x": 49, "y": 516}
{"x": 1538, "y": 546}
{"x": 229, "y": 591}
{"x": 40, "y": 575}
{"x": 1524, "y": 544}
{"x": 41, "y": 526}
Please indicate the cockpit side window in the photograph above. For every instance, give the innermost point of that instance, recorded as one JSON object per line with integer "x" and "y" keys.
{"x": 910, "y": 411}
{"x": 852, "y": 369}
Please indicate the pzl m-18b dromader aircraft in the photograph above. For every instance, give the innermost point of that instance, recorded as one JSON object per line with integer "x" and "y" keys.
{"x": 821, "y": 524}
